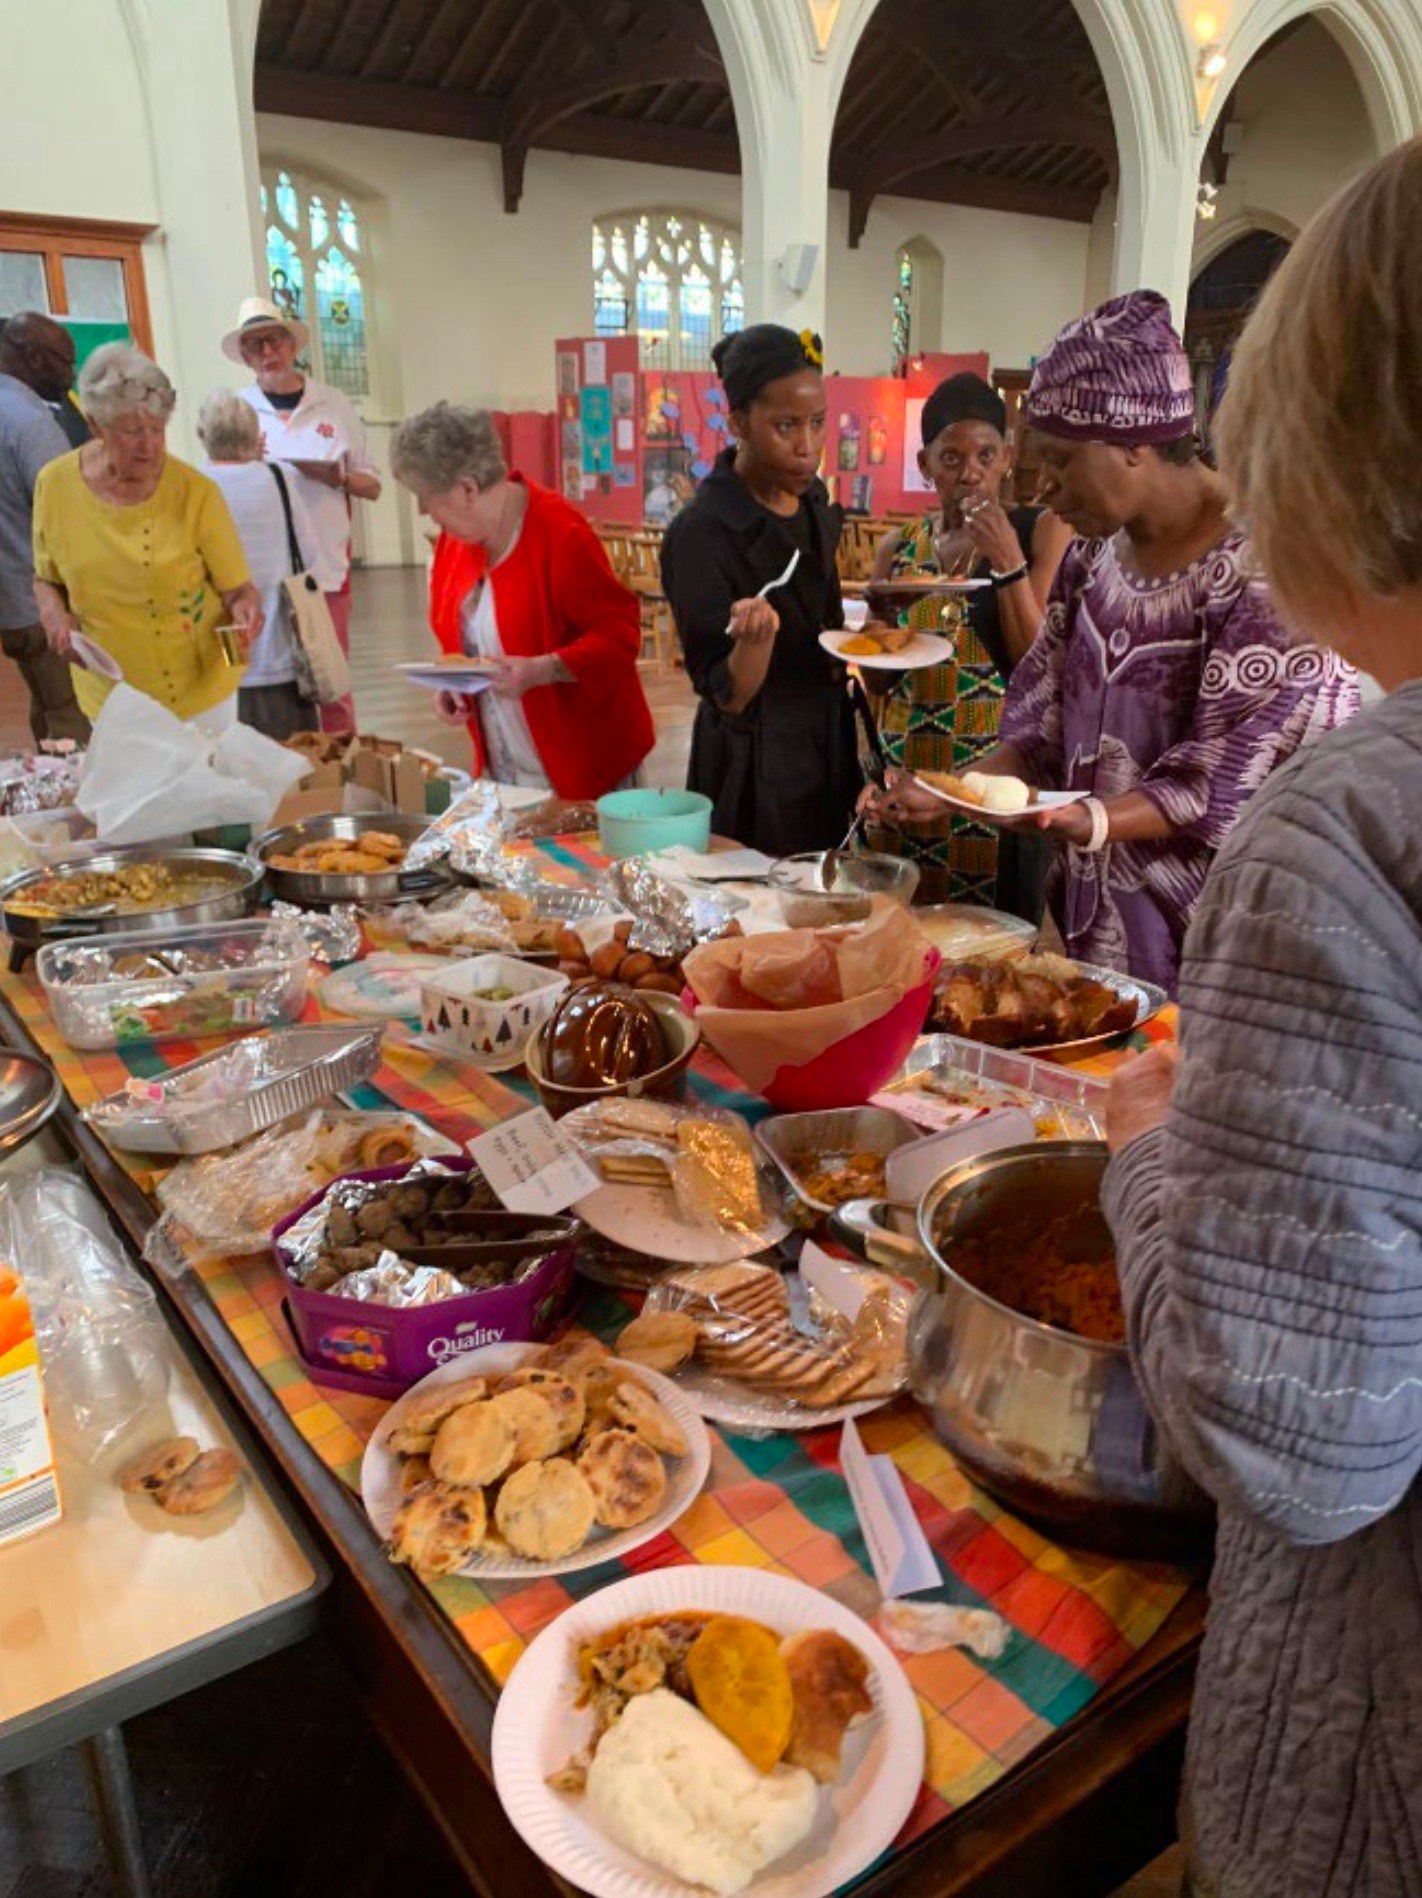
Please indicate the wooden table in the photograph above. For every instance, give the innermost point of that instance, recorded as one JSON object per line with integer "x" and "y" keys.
{"x": 119, "y": 1607}
{"x": 1081, "y": 1814}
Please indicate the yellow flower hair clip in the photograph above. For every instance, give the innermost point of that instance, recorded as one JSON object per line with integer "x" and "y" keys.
{"x": 814, "y": 349}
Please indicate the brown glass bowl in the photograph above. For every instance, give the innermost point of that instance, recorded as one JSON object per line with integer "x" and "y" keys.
{"x": 666, "y": 1083}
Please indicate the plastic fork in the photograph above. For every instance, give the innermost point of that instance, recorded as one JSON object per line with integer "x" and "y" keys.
{"x": 771, "y": 585}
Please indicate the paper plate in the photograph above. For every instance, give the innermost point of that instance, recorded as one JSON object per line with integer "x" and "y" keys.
{"x": 1046, "y": 801}
{"x": 536, "y": 1728}
{"x": 721, "y": 1400}
{"x": 924, "y": 649}
{"x": 92, "y": 656}
{"x": 447, "y": 678}
{"x": 645, "y": 1219}
{"x": 380, "y": 1471}
{"x": 915, "y": 586}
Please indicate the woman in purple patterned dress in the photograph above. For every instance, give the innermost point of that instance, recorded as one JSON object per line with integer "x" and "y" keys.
{"x": 1162, "y": 685}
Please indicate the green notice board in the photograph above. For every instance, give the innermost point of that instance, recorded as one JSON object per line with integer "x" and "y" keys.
{"x": 90, "y": 336}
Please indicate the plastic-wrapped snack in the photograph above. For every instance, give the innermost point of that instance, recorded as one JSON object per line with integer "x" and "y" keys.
{"x": 714, "y": 1175}
{"x": 464, "y": 923}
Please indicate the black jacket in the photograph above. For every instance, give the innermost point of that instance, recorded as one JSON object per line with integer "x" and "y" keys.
{"x": 782, "y": 775}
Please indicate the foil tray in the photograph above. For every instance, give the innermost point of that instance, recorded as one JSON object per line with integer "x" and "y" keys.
{"x": 262, "y": 1080}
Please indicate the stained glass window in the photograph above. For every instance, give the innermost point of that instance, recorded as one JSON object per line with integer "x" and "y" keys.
{"x": 901, "y": 335}
{"x": 672, "y": 278}
{"x": 315, "y": 270}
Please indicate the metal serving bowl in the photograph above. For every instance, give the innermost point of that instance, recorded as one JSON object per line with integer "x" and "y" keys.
{"x": 311, "y": 889}
{"x": 1052, "y": 1424}
{"x": 237, "y": 884}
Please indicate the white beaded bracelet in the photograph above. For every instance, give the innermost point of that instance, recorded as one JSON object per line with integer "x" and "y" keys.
{"x": 1100, "y": 824}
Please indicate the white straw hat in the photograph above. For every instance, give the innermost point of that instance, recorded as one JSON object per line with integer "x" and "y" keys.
{"x": 260, "y": 313}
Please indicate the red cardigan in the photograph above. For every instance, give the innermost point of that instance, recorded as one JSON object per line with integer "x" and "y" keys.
{"x": 556, "y": 593}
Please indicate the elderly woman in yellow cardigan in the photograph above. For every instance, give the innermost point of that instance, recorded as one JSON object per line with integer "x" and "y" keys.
{"x": 138, "y": 552}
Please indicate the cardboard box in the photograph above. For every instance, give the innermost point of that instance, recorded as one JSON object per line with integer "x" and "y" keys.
{"x": 354, "y": 775}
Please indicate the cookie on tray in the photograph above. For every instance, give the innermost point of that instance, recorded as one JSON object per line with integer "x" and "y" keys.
{"x": 473, "y": 1447}
{"x": 423, "y": 1414}
{"x": 545, "y": 1510}
{"x": 207, "y": 1481}
{"x": 437, "y": 1528}
{"x": 660, "y": 1340}
{"x": 627, "y": 1478}
{"x": 158, "y": 1464}
{"x": 646, "y": 1417}
{"x": 563, "y": 1397}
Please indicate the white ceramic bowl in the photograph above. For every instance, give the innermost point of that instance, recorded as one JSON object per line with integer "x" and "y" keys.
{"x": 489, "y": 1035}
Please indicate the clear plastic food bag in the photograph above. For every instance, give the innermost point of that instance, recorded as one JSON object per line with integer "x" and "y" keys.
{"x": 103, "y": 1346}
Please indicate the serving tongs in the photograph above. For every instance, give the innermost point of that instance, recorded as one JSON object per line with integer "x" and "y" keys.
{"x": 510, "y": 1237}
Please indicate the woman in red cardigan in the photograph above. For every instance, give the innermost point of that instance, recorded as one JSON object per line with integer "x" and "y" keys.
{"x": 521, "y": 579}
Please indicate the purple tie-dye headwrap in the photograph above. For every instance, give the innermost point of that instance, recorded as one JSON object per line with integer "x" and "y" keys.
{"x": 1118, "y": 374}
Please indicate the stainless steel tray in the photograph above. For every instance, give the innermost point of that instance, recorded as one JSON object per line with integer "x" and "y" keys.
{"x": 30, "y": 1091}
{"x": 243, "y": 881}
{"x": 1067, "y": 1105}
{"x": 1149, "y": 1001}
{"x": 797, "y": 1143}
{"x": 282, "y": 1074}
{"x": 312, "y": 889}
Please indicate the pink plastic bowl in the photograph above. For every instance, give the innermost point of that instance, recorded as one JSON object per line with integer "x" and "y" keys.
{"x": 847, "y": 1072}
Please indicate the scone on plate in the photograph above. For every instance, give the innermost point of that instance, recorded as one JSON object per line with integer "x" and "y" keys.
{"x": 627, "y": 1478}
{"x": 438, "y": 1528}
{"x": 423, "y": 1414}
{"x": 563, "y": 1397}
{"x": 545, "y": 1510}
{"x": 637, "y": 1410}
{"x": 532, "y": 1421}
{"x": 474, "y": 1446}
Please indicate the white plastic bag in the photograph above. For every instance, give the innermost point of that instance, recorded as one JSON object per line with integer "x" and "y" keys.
{"x": 103, "y": 1346}
{"x": 150, "y": 775}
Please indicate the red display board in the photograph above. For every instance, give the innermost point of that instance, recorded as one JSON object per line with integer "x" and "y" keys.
{"x": 598, "y": 451}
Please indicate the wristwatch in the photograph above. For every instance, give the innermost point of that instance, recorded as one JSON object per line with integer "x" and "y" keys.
{"x": 1011, "y": 577}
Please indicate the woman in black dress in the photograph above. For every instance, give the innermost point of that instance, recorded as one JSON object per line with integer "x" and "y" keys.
{"x": 944, "y": 718}
{"x": 774, "y": 740}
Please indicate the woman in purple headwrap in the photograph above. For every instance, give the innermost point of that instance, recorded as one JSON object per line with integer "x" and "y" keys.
{"x": 1162, "y": 685}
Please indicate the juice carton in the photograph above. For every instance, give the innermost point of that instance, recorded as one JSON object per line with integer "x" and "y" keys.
{"x": 29, "y": 1481}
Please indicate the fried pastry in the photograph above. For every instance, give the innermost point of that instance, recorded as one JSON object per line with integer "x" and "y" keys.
{"x": 158, "y": 1464}
{"x": 545, "y": 1510}
{"x": 626, "y": 1476}
{"x": 427, "y": 1410}
{"x": 415, "y": 1472}
{"x": 438, "y": 1528}
{"x": 638, "y": 1411}
{"x": 661, "y": 1340}
{"x": 474, "y": 1446}
{"x": 563, "y": 1397}
{"x": 829, "y": 1681}
{"x": 208, "y": 1480}
{"x": 573, "y": 1355}
{"x": 380, "y": 843}
{"x": 532, "y": 1425}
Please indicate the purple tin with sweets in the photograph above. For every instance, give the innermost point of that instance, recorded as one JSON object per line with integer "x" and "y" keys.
{"x": 385, "y": 1283}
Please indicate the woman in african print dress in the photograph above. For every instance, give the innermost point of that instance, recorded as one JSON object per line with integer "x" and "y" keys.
{"x": 945, "y": 718}
{"x": 1162, "y": 687}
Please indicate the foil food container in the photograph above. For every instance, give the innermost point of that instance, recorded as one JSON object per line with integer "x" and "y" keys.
{"x": 381, "y": 1349}
{"x": 239, "y": 1091}
{"x": 669, "y": 917}
{"x": 799, "y": 1144}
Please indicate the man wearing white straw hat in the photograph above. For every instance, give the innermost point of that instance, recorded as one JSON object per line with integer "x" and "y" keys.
{"x": 315, "y": 431}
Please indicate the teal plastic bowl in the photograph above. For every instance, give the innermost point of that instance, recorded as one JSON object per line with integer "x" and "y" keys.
{"x": 631, "y": 823}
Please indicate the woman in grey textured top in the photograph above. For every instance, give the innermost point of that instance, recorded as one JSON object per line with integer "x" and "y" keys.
{"x": 1269, "y": 1216}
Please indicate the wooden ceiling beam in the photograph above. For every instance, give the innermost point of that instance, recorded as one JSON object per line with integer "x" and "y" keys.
{"x": 447, "y": 22}
{"x": 981, "y": 191}
{"x": 893, "y": 166}
{"x": 376, "y": 102}
{"x": 398, "y": 21}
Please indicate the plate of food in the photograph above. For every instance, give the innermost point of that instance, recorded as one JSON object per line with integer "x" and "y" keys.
{"x": 680, "y": 1183}
{"x": 888, "y": 648}
{"x": 455, "y": 672}
{"x": 758, "y": 1349}
{"x": 915, "y": 586}
{"x": 1046, "y": 1004}
{"x": 992, "y": 795}
{"x": 708, "y": 1729}
{"x": 519, "y": 1460}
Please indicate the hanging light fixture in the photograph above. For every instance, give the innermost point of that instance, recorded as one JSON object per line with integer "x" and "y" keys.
{"x": 1205, "y": 205}
{"x": 1210, "y": 61}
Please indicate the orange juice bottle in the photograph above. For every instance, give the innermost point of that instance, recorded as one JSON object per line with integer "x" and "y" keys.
{"x": 29, "y": 1481}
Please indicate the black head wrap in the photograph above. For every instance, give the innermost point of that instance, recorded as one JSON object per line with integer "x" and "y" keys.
{"x": 962, "y": 398}
{"x": 747, "y": 360}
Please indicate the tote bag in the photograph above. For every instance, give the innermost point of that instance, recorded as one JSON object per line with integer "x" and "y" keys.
{"x": 323, "y": 672}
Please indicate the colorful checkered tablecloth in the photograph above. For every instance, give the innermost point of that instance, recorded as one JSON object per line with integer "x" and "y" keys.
{"x": 777, "y": 1503}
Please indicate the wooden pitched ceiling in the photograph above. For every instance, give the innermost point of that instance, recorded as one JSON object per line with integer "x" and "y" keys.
{"x": 956, "y": 101}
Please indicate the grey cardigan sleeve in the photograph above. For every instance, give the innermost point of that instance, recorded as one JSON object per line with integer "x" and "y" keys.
{"x": 1270, "y": 1235}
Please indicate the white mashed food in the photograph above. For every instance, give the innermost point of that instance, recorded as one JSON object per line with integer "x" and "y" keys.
{"x": 672, "y": 1788}
{"x": 1006, "y": 796}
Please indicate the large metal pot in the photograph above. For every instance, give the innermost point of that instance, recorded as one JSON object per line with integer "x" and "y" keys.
{"x": 1052, "y": 1424}
{"x": 236, "y": 886}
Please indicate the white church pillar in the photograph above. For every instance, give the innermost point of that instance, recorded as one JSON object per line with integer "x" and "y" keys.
{"x": 1155, "y": 229}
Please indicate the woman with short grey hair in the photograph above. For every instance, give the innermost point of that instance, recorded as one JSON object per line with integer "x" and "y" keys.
{"x": 269, "y": 698}
{"x": 521, "y": 587}
{"x": 138, "y": 551}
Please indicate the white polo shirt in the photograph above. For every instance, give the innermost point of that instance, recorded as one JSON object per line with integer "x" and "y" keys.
{"x": 322, "y": 427}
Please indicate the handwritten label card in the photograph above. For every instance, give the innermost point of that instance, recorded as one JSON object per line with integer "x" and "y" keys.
{"x": 840, "y": 1285}
{"x": 903, "y": 1562}
{"x": 531, "y": 1165}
